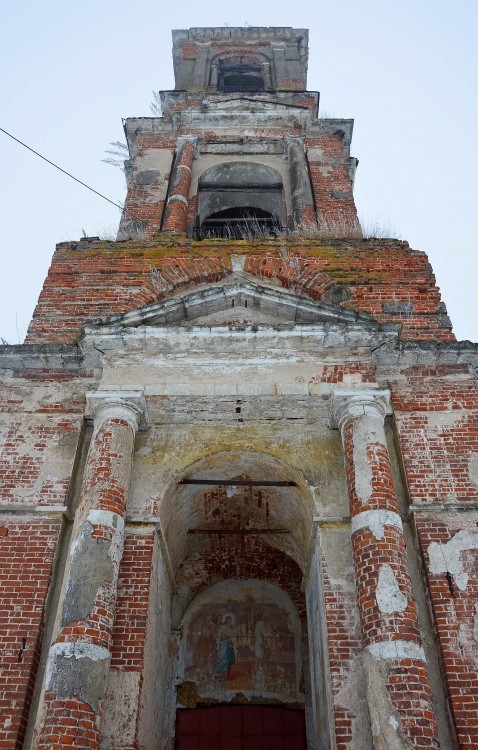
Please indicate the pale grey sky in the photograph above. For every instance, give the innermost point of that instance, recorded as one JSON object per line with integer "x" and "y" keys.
{"x": 406, "y": 70}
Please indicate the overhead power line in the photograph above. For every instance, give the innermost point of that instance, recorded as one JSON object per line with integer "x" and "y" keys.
{"x": 118, "y": 205}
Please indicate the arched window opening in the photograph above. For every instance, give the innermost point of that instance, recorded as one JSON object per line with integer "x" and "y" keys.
{"x": 239, "y": 223}
{"x": 238, "y": 200}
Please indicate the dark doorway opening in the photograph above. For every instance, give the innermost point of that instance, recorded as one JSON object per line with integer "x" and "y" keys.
{"x": 240, "y": 728}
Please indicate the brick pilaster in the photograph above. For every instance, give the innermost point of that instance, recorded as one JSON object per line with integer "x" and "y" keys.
{"x": 301, "y": 190}
{"x": 79, "y": 658}
{"x": 400, "y": 705}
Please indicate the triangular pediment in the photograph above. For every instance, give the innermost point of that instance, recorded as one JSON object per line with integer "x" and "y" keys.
{"x": 235, "y": 304}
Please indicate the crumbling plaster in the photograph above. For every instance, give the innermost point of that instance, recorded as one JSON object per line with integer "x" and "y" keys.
{"x": 448, "y": 557}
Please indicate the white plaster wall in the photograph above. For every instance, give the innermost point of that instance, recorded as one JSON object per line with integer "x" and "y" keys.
{"x": 319, "y": 727}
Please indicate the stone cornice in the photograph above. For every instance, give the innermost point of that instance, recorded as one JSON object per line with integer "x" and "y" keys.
{"x": 387, "y": 352}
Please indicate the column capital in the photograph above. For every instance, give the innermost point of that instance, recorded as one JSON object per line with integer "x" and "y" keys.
{"x": 298, "y": 140}
{"x": 184, "y": 139}
{"x": 346, "y": 404}
{"x": 128, "y": 405}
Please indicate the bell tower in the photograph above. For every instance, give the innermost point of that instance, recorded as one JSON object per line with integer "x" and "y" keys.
{"x": 239, "y": 151}
{"x": 239, "y": 456}
{"x": 248, "y": 60}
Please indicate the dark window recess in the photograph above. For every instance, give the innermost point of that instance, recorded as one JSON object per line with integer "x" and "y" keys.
{"x": 240, "y": 77}
{"x": 239, "y": 200}
{"x": 238, "y": 223}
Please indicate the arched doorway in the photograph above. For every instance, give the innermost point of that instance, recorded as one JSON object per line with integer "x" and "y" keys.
{"x": 238, "y": 527}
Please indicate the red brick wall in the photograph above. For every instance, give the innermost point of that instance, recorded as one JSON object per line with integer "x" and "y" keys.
{"x": 87, "y": 281}
{"x": 39, "y": 437}
{"x": 226, "y": 556}
{"x": 27, "y": 553}
{"x": 129, "y": 630}
{"x": 437, "y": 419}
{"x": 456, "y": 620}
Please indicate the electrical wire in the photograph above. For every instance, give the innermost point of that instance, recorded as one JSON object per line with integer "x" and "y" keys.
{"x": 118, "y": 205}
{"x": 192, "y": 251}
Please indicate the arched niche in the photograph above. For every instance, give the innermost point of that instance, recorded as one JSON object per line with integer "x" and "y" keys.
{"x": 240, "y": 197}
{"x": 242, "y": 636}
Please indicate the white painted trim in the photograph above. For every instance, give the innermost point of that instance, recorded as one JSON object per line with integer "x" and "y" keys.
{"x": 80, "y": 650}
{"x": 384, "y": 650}
{"x": 375, "y": 520}
{"x": 177, "y": 197}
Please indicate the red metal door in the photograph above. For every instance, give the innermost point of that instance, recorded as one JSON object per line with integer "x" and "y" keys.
{"x": 240, "y": 728}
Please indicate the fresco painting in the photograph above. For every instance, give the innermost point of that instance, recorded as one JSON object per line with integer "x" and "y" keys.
{"x": 241, "y": 645}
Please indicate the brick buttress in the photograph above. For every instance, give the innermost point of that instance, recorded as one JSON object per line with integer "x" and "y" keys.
{"x": 79, "y": 658}
{"x": 397, "y": 684}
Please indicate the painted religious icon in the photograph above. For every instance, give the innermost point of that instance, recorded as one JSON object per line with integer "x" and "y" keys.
{"x": 226, "y": 655}
{"x": 247, "y": 643}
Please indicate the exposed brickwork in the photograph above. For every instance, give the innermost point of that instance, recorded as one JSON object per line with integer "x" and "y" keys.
{"x": 347, "y": 371}
{"x": 27, "y": 552}
{"x": 344, "y": 645}
{"x": 129, "y": 630}
{"x": 86, "y": 282}
{"x": 455, "y": 610}
{"x": 69, "y": 723}
{"x": 23, "y": 454}
{"x": 131, "y": 608}
{"x": 131, "y": 618}
{"x": 408, "y": 685}
{"x": 223, "y": 556}
{"x": 104, "y": 490}
{"x": 437, "y": 419}
{"x": 177, "y": 206}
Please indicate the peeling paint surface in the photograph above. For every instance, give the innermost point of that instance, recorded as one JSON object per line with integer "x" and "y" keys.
{"x": 376, "y": 520}
{"x": 389, "y": 597}
{"x": 120, "y": 709}
{"x": 447, "y": 558}
{"x": 92, "y": 568}
{"x": 385, "y": 650}
{"x": 368, "y": 430}
{"x": 78, "y": 669}
{"x": 473, "y": 470}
